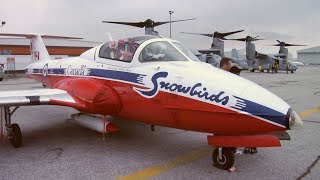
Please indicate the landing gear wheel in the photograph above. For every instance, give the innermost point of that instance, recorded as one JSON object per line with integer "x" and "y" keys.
{"x": 226, "y": 160}
{"x": 292, "y": 71}
{"x": 15, "y": 136}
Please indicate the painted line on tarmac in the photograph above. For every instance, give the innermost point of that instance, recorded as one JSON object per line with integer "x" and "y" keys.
{"x": 167, "y": 166}
{"x": 308, "y": 112}
{"x": 185, "y": 159}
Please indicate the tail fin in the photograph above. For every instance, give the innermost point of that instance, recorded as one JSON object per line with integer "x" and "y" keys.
{"x": 38, "y": 49}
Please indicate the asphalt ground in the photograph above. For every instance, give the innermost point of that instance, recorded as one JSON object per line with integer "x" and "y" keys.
{"x": 54, "y": 147}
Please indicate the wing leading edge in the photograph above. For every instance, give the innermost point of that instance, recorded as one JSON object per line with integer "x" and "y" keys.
{"x": 35, "y": 97}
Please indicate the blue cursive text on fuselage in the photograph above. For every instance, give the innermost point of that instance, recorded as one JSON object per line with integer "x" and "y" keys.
{"x": 196, "y": 90}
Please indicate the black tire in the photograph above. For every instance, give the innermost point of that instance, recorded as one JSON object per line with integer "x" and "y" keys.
{"x": 292, "y": 71}
{"x": 227, "y": 160}
{"x": 1, "y": 79}
{"x": 15, "y": 136}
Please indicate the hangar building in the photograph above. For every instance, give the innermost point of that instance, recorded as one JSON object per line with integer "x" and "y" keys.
{"x": 309, "y": 56}
{"x": 15, "y": 52}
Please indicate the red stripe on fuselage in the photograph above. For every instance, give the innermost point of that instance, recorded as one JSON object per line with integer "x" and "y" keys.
{"x": 172, "y": 110}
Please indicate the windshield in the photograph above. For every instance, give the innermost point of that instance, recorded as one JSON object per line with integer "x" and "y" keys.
{"x": 187, "y": 52}
{"x": 161, "y": 51}
{"x": 123, "y": 49}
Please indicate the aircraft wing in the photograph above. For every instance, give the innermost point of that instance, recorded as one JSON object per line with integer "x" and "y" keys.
{"x": 262, "y": 56}
{"x": 280, "y": 55}
{"x": 85, "y": 95}
{"x": 35, "y": 97}
{"x": 265, "y": 56}
{"x": 208, "y": 51}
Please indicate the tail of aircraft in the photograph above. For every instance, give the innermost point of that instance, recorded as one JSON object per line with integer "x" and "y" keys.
{"x": 38, "y": 50}
{"x": 234, "y": 54}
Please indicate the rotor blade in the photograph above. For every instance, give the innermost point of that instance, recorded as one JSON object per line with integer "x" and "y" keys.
{"x": 135, "y": 24}
{"x": 208, "y": 35}
{"x": 288, "y": 45}
{"x": 165, "y": 22}
{"x": 293, "y": 44}
{"x": 278, "y": 41}
{"x": 239, "y": 39}
{"x": 257, "y": 39}
{"x": 222, "y": 35}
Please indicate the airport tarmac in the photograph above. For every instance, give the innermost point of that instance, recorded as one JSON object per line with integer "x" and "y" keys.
{"x": 54, "y": 147}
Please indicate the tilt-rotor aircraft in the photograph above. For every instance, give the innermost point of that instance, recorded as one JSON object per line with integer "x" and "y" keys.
{"x": 148, "y": 25}
{"x": 255, "y": 59}
{"x": 283, "y": 54}
{"x": 217, "y": 48}
{"x": 156, "y": 81}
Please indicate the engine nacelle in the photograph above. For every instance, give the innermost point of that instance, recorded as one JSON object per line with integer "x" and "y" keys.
{"x": 95, "y": 123}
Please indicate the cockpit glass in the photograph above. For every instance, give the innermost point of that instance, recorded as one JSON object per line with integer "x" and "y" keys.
{"x": 123, "y": 49}
{"x": 161, "y": 51}
{"x": 187, "y": 52}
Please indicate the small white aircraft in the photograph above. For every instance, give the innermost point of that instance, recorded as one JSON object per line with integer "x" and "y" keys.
{"x": 156, "y": 81}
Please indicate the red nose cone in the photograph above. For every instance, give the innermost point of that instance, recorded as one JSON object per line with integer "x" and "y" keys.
{"x": 111, "y": 128}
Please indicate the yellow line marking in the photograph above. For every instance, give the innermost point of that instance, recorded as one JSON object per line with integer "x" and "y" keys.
{"x": 184, "y": 159}
{"x": 307, "y": 113}
{"x": 164, "y": 167}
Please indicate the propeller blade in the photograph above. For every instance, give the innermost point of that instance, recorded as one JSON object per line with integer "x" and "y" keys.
{"x": 256, "y": 39}
{"x": 286, "y": 44}
{"x": 222, "y": 35}
{"x": 208, "y": 35}
{"x": 293, "y": 44}
{"x": 165, "y": 22}
{"x": 239, "y": 39}
{"x": 135, "y": 24}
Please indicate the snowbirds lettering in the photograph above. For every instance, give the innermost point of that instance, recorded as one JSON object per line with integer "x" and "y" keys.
{"x": 195, "y": 90}
{"x": 121, "y": 78}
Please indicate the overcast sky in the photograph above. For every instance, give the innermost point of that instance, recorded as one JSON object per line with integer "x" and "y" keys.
{"x": 293, "y": 21}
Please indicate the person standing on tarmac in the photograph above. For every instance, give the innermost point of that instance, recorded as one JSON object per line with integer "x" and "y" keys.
{"x": 276, "y": 67}
{"x": 287, "y": 68}
{"x": 260, "y": 68}
{"x": 268, "y": 68}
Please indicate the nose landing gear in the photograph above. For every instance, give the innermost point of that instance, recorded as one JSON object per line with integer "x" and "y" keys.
{"x": 223, "y": 157}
